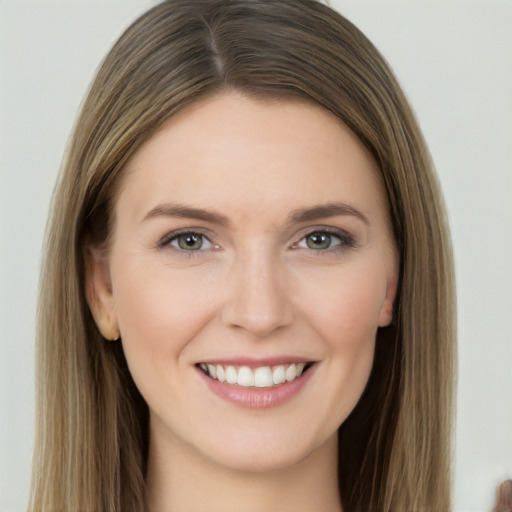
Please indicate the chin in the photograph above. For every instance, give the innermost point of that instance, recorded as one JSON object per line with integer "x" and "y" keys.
{"x": 270, "y": 450}
{"x": 260, "y": 461}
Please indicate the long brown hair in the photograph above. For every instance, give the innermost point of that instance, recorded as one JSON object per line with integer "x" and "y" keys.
{"x": 91, "y": 444}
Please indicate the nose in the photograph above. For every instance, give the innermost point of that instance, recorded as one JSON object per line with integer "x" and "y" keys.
{"x": 258, "y": 299}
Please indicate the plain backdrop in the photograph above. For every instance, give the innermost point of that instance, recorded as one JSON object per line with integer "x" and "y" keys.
{"x": 454, "y": 59}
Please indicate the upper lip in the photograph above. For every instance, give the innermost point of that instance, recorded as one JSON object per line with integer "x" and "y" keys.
{"x": 255, "y": 362}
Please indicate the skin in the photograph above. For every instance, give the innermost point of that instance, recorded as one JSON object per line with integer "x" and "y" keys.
{"x": 257, "y": 287}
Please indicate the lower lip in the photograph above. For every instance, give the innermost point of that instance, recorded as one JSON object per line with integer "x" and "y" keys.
{"x": 258, "y": 398}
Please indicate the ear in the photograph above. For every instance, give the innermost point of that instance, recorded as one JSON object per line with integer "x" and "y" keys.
{"x": 386, "y": 310}
{"x": 98, "y": 292}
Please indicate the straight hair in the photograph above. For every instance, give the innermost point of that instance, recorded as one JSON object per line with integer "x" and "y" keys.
{"x": 92, "y": 423}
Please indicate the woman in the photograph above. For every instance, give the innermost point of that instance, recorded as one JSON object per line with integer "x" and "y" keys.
{"x": 247, "y": 296}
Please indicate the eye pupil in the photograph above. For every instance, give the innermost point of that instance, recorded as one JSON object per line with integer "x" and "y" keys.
{"x": 190, "y": 241}
{"x": 318, "y": 241}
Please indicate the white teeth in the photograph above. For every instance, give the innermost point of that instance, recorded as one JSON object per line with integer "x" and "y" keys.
{"x": 291, "y": 372}
{"x": 221, "y": 376}
{"x": 245, "y": 377}
{"x": 212, "y": 371}
{"x": 262, "y": 377}
{"x": 279, "y": 375}
{"x": 300, "y": 368}
{"x": 231, "y": 376}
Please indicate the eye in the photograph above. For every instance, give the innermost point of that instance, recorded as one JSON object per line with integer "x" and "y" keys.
{"x": 190, "y": 242}
{"x": 320, "y": 240}
{"x": 324, "y": 240}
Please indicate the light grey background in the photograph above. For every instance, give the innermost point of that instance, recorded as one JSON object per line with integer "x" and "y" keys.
{"x": 454, "y": 59}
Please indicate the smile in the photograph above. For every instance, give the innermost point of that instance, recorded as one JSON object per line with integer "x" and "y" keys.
{"x": 260, "y": 377}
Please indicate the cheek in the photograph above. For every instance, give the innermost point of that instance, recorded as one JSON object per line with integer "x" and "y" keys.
{"x": 350, "y": 331}
{"x": 345, "y": 314}
{"x": 345, "y": 308}
{"x": 159, "y": 311}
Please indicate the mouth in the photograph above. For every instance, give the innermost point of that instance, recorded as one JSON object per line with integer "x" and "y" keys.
{"x": 258, "y": 377}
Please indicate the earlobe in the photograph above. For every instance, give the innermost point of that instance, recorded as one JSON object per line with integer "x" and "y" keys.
{"x": 98, "y": 291}
{"x": 386, "y": 313}
{"x": 387, "y": 307}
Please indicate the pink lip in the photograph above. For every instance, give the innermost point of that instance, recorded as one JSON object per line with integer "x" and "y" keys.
{"x": 257, "y": 398}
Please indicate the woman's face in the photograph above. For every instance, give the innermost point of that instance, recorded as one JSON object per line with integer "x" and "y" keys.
{"x": 251, "y": 243}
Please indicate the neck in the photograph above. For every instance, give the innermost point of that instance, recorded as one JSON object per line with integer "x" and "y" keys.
{"x": 178, "y": 480}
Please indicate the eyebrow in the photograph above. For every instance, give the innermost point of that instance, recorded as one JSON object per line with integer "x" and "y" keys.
{"x": 297, "y": 216}
{"x": 324, "y": 211}
{"x": 188, "y": 212}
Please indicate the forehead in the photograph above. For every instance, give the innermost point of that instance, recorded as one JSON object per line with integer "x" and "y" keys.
{"x": 234, "y": 151}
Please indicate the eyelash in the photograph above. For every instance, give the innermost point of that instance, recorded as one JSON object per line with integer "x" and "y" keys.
{"x": 346, "y": 241}
{"x": 168, "y": 239}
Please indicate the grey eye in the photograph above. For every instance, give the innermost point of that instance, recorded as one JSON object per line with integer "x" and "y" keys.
{"x": 191, "y": 242}
{"x": 320, "y": 241}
